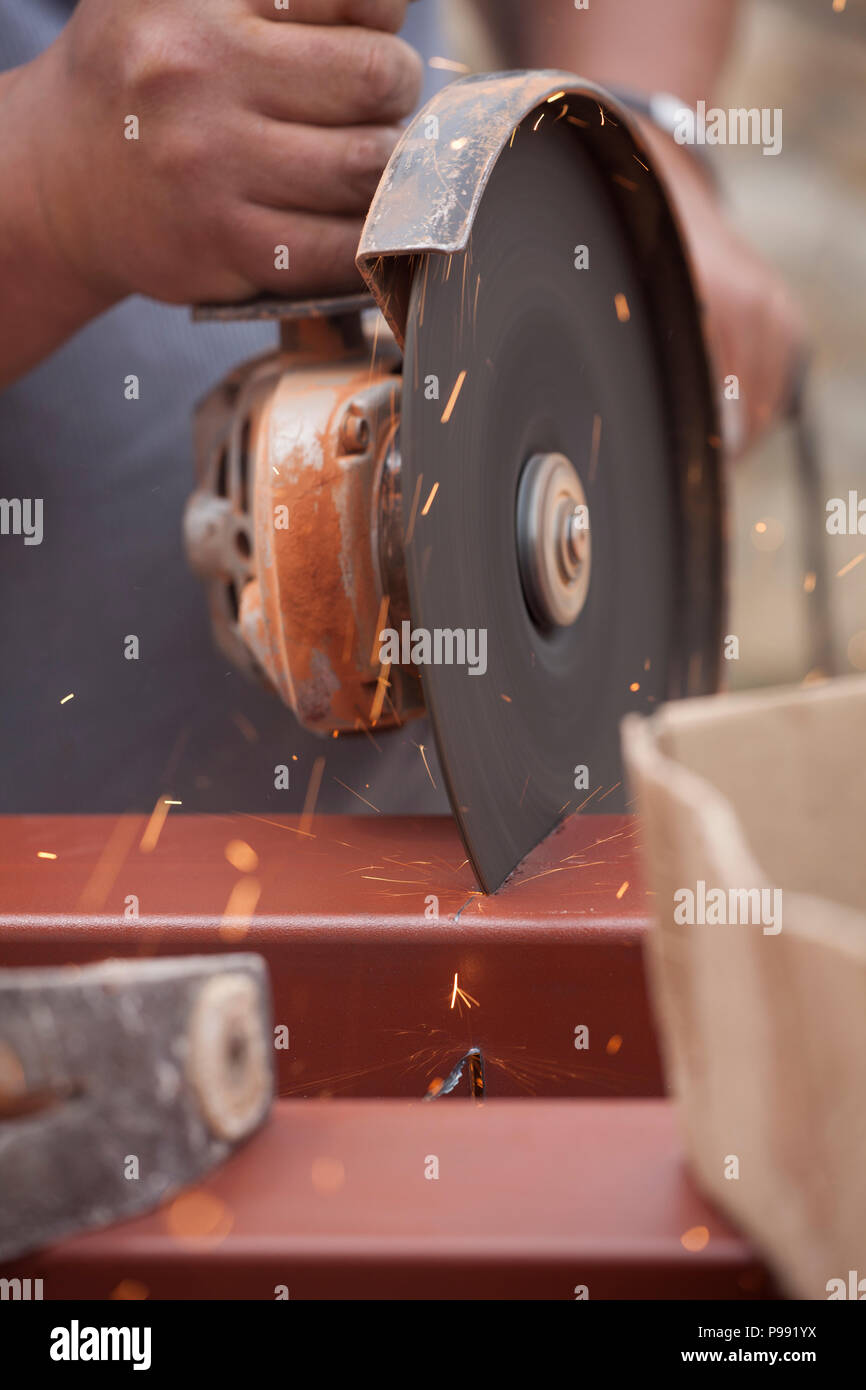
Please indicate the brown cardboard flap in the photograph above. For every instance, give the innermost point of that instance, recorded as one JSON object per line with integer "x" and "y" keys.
{"x": 763, "y": 1022}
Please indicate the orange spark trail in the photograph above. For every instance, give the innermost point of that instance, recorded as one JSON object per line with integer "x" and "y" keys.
{"x": 846, "y": 569}
{"x": 359, "y": 796}
{"x": 153, "y": 829}
{"x": 410, "y": 529}
{"x": 420, "y": 747}
{"x": 449, "y": 409}
{"x": 381, "y": 688}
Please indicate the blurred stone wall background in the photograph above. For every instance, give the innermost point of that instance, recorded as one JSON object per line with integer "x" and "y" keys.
{"x": 806, "y": 211}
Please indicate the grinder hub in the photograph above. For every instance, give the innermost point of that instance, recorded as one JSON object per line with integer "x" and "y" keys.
{"x": 452, "y": 493}
{"x": 554, "y": 547}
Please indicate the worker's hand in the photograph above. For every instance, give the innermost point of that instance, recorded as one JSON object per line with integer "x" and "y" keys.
{"x": 754, "y": 329}
{"x": 256, "y": 128}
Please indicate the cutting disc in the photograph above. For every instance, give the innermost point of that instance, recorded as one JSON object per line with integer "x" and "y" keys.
{"x": 523, "y": 347}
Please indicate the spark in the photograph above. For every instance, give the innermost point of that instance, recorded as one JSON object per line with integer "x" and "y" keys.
{"x": 458, "y": 387}
{"x": 635, "y": 685}
{"x": 377, "y": 878}
{"x": 67, "y": 697}
{"x": 640, "y": 162}
{"x": 557, "y": 96}
{"x": 248, "y": 815}
{"x": 587, "y": 798}
{"x": 312, "y": 793}
{"x": 626, "y": 183}
{"x": 601, "y": 113}
{"x": 410, "y": 529}
{"x": 423, "y": 303}
{"x": 239, "y": 909}
{"x": 525, "y": 785}
{"x": 695, "y": 1239}
{"x": 459, "y": 144}
{"x": 361, "y": 724}
{"x": 198, "y": 1216}
{"x": 760, "y": 527}
{"x": 596, "y": 441}
{"x": 447, "y": 65}
{"x": 458, "y": 993}
{"x": 168, "y": 802}
{"x": 241, "y": 856}
{"x": 622, "y": 890}
{"x": 360, "y": 797}
{"x": 379, "y": 697}
{"x": 613, "y": 1045}
{"x": 463, "y": 285}
{"x": 846, "y": 569}
{"x": 810, "y": 581}
{"x": 610, "y": 789}
{"x": 153, "y": 829}
{"x": 513, "y": 133}
{"x": 838, "y": 6}
{"x": 426, "y": 764}
{"x": 381, "y": 622}
{"x": 622, "y": 310}
{"x": 45, "y": 854}
{"x": 646, "y": 664}
{"x": 538, "y": 122}
{"x": 506, "y": 698}
{"x": 374, "y": 346}
{"x": 109, "y": 863}
{"x": 428, "y": 504}
{"x": 575, "y": 120}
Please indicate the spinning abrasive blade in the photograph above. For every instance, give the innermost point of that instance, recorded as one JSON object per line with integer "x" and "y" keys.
{"x": 556, "y": 531}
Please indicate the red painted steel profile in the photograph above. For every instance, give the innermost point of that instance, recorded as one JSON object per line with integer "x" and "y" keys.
{"x": 533, "y": 1199}
{"x": 362, "y": 969}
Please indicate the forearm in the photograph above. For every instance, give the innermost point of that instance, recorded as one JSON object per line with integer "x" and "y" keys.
{"x": 43, "y": 299}
{"x": 676, "y": 47}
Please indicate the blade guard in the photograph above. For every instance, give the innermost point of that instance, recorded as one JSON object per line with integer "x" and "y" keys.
{"x": 435, "y": 179}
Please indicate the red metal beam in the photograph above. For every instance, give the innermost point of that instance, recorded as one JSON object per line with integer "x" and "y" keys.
{"x": 362, "y": 971}
{"x": 331, "y": 1201}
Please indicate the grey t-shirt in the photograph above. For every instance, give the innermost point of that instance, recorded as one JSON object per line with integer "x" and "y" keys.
{"x": 114, "y": 476}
